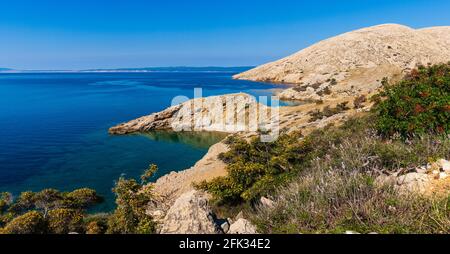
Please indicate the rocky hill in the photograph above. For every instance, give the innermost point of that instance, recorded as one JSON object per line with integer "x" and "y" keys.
{"x": 354, "y": 63}
{"x": 226, "y": 113}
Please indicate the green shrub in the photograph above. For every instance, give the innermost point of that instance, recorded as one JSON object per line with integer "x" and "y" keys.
{"x": 94, "y": 228}
{"x": 5, "y": 201}
{"x": 129, "y": 216}
{"x": 418, "y": 104}
{"x": 64, "y": 221}
{"x": 52, "y": 211}
{"x": 29, "y": 223}
{"x": 327, "y": 111}
{"x": 96, "y": 223}
{"x": 82, "y": 198}
{"x": 61, "y": 212}
{"x": 254, "y": 167}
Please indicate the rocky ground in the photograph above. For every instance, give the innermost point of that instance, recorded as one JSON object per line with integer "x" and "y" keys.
{"x": 431, "y": 179}
{"x": 191, "y": 214}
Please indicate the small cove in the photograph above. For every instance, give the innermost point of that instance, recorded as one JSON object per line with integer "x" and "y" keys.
{"x": 54, "y": 132}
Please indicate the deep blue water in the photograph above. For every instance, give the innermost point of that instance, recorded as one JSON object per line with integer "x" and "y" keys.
{"x": 54, "y": 127}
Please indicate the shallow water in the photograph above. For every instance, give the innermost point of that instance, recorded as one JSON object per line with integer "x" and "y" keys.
{"x": 54, "y": 126}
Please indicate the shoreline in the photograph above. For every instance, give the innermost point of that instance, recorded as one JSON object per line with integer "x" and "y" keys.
{"x": 172, "y": 185}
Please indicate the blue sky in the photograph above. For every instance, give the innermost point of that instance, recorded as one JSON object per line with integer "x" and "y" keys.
{"x": 110, "y": 34}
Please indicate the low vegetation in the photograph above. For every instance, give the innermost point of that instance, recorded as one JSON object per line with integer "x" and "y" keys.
{"x": 53, "y": 212}
{"x": 418, "y": 104}
{"x": 340, "y": 200}
{"x": 254, "y": 166}
{"x": 327, "y": 111}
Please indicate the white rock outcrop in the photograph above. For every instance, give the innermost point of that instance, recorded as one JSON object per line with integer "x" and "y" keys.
{"x": 422, "y": 179}
{"x": 242, "y": 226}
{"x": 190, "y": 214}
{"x": 226, "y": 113}
{"x": 413, "y": 181}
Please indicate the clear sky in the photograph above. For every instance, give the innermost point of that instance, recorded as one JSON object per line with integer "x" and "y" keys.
{"x": 110, "y": 34}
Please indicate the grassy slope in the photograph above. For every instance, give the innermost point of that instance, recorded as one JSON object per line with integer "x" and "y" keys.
{"x": 338, "y": 192}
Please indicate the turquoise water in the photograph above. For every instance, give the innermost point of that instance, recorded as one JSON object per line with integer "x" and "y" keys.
{"x": 53, "y": 127}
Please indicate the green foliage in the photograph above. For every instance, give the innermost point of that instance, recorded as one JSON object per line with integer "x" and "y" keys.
{"x": 254, "y": 166}
{"x": 23, "y": 203}
{"x": 55, "y": 212}
{"x": 5, "y": 201}
{"x": 64, "y": 221}
{"x": 60, "y": 212}
{"x": 50, "y": 199}
{"x": 94, "y": 228}
{"x": 145, "y": 177}
{"x": 418, "y": 104}
{"x": 96, "y": 223}
{"x": 129, "y": 216}
{"x": 82, "y": 198}
{"x": 29, "y": 223}
{"x": 336, "y": 192}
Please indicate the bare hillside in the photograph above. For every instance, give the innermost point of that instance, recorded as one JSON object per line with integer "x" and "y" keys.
{"x": 354, "y": 63}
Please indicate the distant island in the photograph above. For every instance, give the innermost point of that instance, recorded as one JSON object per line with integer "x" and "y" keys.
{"x": 237, "y": 69}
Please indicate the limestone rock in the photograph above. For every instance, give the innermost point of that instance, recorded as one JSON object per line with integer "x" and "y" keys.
{"x": 225, "y": 227}
{"x": 355, "y": 62}
{"x": 443, "y": 175}
{"x": 226, "y": 113}
{"x": 267, "y": 202}
{"x": 413, "y": 181}
{"x": 242, "y": 226}
{"x": 190, "y": 214}
{"x": 445, "y": 165}
{"x": 349, "y": 232}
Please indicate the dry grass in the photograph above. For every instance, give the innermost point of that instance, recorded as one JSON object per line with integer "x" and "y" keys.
{"x": 334, "y": 201}
{"x": 336, "y": 192}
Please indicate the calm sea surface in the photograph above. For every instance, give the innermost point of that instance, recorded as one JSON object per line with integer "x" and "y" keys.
{"x": 54, "y": 127}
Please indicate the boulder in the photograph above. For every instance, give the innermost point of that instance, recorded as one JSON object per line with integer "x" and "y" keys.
{"x": 190, "y": 214}
{"x": 268, "y": 203}
{"x": 225, "y": 227}
{"x": 445, "y": 165}
{"x": 413, "y": 181}
{"x": 349, "y": 232}
{"x": 242, "y": 226}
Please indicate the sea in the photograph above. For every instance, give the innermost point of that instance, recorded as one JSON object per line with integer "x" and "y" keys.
{"x": 54, "y": 126}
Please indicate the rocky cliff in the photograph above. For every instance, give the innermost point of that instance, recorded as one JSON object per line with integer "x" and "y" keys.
{"x": 355, "y": 63}
{"x": 226, "y": 113}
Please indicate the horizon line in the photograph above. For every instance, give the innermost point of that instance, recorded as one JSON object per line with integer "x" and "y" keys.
{"x": 128, "y": 69}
